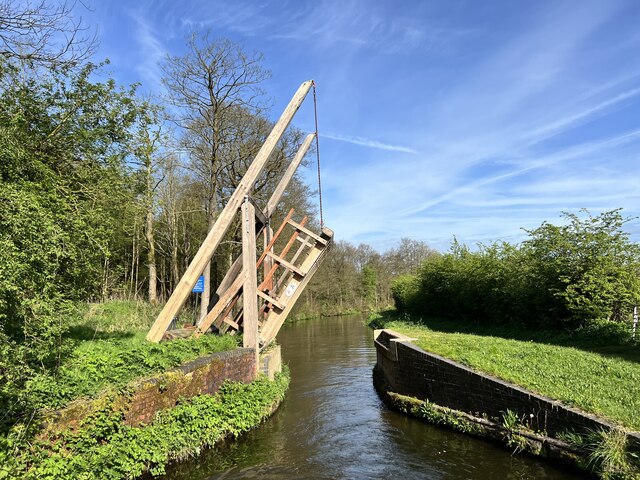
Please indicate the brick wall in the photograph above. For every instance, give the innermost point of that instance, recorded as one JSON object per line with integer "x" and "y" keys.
{"x": 203, "y": 375}
{"x": 408, "y": 370}
{"x": 148, "y": 396}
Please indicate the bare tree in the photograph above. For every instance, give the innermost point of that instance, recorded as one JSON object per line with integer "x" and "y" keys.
{"x": 43, "y": 33}
{"x": 148, "y": 142}
{"x": 207, "y": 85}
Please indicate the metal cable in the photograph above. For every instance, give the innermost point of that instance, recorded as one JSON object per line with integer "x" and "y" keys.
{"x": 315, "y": 113}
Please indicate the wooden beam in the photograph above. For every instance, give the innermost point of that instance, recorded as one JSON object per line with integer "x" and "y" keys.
{"x": 230, "y": 322}
{"x": 285, "y": 264}
{"x": 223, "y": 222}
{"x": 307, "y": 232}
{"x": 262, "y": 218}
{"x": 288, "y": 175}
{"x": 268, "y": 279}
{"x": 273, "y": 202}
{"x": 268, "y": 263}
{"x": 221, "y": 305}
{"x": 250, "y": 287}
{"x": 271, "y": 242}
{"x": 271, "y": 300}
{"x": 293, "y": 290}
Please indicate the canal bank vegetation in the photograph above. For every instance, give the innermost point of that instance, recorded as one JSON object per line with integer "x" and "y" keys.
{"x": 553, "y": 314}
{"x": 583, "y": 273}
{"x": 105, "y": 448}
{"x": 604, "y": 453}
{"x": 104, "y": 350}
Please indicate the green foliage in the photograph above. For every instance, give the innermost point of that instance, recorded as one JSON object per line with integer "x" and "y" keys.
{"x": 114, "y": 362}
{"x": 435, "y": 414}
{"x": 369, "y": 282}
{"x": 609, "y": 457}
{"x": 405, "y": 289}
{"x": 575, "y": 275}
{"x": 601, "y": 383}
{"x": 510, "y": 420}
{"x": 64, "y": 184}
{"x": 588, "y": 265}
{"x": 104, "y": 349}
{"x": 105, "y": 448}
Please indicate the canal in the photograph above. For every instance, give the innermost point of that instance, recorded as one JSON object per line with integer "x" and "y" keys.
{"x": 332, "y": 425}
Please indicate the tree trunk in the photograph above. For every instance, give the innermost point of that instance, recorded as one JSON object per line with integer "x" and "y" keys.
{"x": 151, "y": 258}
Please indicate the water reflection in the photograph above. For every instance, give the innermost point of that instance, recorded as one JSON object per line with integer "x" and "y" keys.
{"x": 333, "y": 425}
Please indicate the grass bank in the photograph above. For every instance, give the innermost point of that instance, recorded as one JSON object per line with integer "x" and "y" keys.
{"x": 106, "y": 348}
{"x": 103, "y": 351}
{"x": 106, "y": 448}
{"x": 584, "y": 369}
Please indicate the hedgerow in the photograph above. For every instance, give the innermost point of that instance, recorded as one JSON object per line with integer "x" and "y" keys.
{"x": 584, "y": 272}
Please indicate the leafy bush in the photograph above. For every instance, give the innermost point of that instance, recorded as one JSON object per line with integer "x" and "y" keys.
{"x": 112, "y": 363}
{"x": 579, "y": 274}
{"x": 404, "y": 290}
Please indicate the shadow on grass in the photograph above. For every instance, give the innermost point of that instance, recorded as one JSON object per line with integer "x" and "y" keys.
{"x": 607, "y": 339}
{"x": 83, "y": 333}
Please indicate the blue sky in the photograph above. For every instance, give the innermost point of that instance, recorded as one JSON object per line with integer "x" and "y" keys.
{"x": 437, "y": 118}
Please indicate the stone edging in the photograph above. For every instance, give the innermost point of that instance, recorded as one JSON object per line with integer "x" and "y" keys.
{"x": 410, "y": 371}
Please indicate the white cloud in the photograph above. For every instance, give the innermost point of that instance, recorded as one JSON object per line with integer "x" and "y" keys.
{"x": 152, "y": 49}
{"x": 366, "y": 142}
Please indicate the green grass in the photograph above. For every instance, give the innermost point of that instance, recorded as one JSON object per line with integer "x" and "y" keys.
{"x": 107, "y": 348}
{"x": 106, "y": 448}
{"x": 604, "y": 381}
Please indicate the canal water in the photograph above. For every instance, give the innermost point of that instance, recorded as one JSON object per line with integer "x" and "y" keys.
{"x": 332, "y": 425}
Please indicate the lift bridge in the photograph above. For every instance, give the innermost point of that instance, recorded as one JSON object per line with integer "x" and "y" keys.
{"x": 241, "y": 304}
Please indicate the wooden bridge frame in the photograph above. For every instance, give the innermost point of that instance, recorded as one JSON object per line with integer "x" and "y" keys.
{"x": 265, "y": 307}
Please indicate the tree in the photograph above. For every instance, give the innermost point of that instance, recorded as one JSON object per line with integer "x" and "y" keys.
{"x": 148, "y": 139}
{"x": 65, "y": 190}
{"x": 43, "y": 34}
{"x": 209, "y": 85}
{"x": 589, "y": 267}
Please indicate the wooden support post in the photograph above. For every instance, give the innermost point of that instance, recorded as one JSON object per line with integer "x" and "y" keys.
{"x": 223, "y": 222}
{"x": 250, "y": 337}
{"x": 269, "y": 240}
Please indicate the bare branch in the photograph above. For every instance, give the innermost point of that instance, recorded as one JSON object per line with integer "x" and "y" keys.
{"x": 44, "y": 34}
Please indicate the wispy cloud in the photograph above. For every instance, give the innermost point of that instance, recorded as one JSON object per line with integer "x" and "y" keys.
{"x": 152, "y": 49}
{"x": 366, "y": 142}
{"x": 474, "y": 120}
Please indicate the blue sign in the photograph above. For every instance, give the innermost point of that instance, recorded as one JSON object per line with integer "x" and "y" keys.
{"x": 199, "y": 286}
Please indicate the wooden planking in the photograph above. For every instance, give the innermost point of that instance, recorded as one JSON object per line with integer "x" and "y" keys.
{"x": 250, "y": 287}
{"x": 271, "y": 300}
{"x": 293, "y": 290}
{"x": 215, "y": 235}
